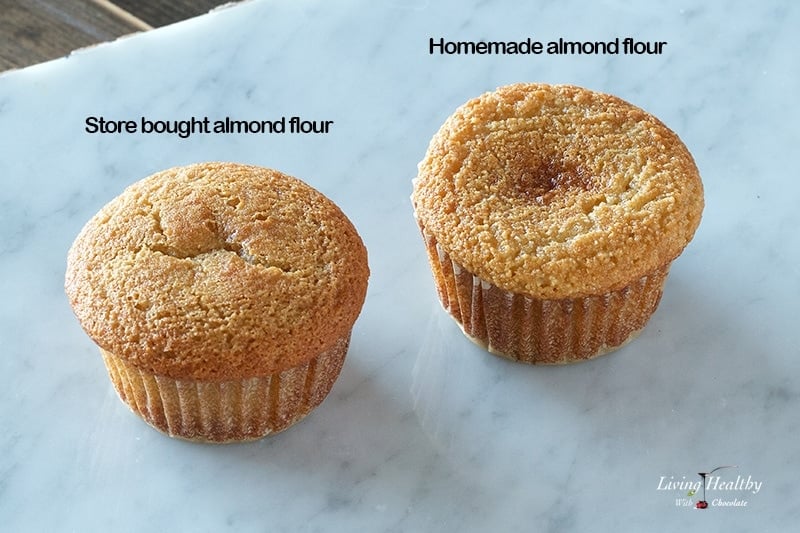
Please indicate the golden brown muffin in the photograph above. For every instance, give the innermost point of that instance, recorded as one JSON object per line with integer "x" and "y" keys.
{"x": 222, "y": 297}
{"x": 551, "y": 215}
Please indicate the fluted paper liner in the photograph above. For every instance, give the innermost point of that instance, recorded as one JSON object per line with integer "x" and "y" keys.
{"x": 227, "y": 411}
{"x": 542, "y": 331}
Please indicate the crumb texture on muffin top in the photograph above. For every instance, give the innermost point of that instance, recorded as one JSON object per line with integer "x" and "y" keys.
{"x": 556, "y": 191}
{"x": 217, "y": 271}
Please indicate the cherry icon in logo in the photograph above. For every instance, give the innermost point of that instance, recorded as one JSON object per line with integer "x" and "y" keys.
{"x": 703, "y": 504}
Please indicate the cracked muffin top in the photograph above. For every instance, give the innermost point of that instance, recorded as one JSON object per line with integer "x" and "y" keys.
{"x": 555, "y": 191}
{"x": 217, "y": 271}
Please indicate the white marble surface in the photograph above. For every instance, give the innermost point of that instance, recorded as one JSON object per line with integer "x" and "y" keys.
{"x": 423, "y": 431}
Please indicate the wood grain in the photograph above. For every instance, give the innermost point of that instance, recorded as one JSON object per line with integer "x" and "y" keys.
{"x": 159, "y": 14}
{"x": 33, "y": 31}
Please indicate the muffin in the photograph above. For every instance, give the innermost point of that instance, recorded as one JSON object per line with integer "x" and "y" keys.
{"x": 551, "y": 215}
{"x": 222, "y": 297}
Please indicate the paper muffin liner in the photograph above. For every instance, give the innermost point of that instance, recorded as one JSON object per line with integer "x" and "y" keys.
{"x": 227, "y": 411}
{"x": 542, "y": 331}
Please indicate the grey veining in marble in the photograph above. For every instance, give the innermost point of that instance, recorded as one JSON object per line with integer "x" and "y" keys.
{"x": 423, "y": 431}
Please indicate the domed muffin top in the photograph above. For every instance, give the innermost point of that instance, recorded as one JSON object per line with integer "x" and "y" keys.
{"x": 556, "y": 191}
{"x": 217, "y": 271}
